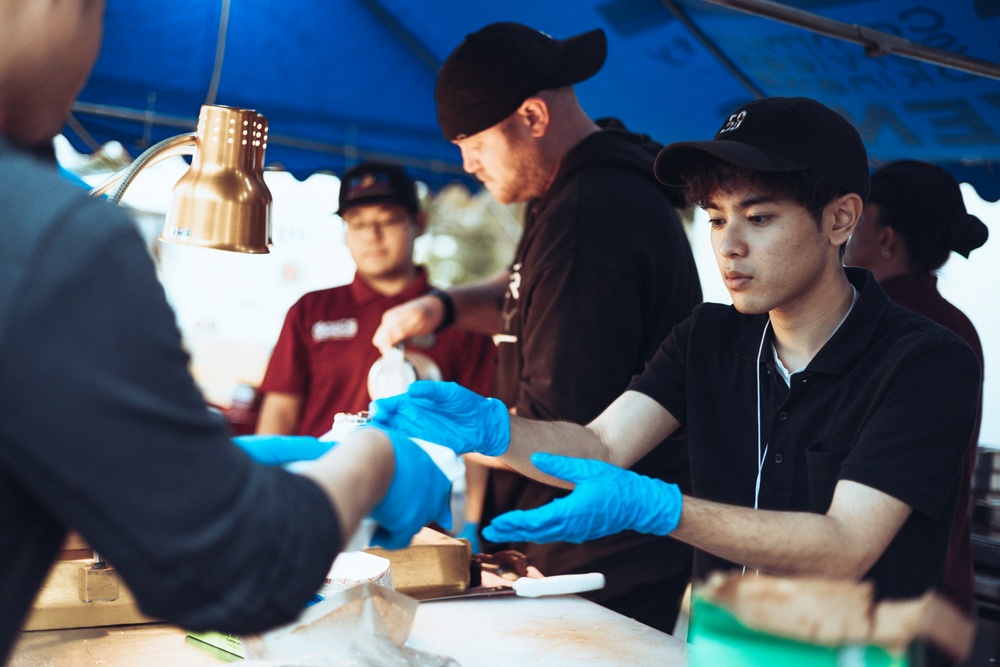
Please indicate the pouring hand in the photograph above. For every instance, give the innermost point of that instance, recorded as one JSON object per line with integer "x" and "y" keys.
{"x": 417, "y": 317}
{"x": 418, "y": 494}
{"x": 281, "y": 449}
{"x": 447, "y": 414}
{"x": 607, "y": 500}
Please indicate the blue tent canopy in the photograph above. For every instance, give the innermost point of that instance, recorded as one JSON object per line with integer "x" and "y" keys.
{"x": 354, "y": 79}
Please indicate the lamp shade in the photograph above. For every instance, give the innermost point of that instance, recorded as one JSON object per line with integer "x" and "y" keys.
{"x": 222, "y": 201}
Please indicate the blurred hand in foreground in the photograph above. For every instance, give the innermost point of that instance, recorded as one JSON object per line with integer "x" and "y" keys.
{"x": 419, "y": 494}
{"x": 281, "y": 449}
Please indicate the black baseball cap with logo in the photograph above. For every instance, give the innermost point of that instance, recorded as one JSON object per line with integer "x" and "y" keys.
{"x": 779, "y": 134}
{"x": 488, "y": 76}
{"x": 377, "y": 183}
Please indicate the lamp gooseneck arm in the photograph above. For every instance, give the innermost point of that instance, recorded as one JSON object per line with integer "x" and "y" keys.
{"x": 182, "y": 144}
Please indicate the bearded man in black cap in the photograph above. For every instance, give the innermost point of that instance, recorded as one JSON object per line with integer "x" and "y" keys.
{"x": 602, "y": 272}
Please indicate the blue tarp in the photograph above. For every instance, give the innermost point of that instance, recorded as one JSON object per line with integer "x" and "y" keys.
{"x": 348, "y": 79}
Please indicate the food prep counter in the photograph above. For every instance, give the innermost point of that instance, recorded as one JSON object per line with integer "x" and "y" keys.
{"x": 554, "y": 631}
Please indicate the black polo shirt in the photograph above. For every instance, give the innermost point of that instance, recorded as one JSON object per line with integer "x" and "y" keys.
{"x": 888, "y": 402}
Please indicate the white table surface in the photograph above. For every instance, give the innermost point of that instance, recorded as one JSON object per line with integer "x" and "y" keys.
{"x": 513, "y": 632}
{"x": 554, "y": 631}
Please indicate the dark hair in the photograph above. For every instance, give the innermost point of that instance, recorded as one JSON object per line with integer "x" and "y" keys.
{"x": 707, "y": 175}
{"x": 924, "y": 204}
{"x": 927, "y": 247}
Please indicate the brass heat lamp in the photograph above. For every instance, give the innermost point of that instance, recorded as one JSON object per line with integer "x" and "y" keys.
{"x": 222, "y": 201}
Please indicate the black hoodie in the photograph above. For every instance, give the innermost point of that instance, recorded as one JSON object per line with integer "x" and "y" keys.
{"x": 602, "y": 273}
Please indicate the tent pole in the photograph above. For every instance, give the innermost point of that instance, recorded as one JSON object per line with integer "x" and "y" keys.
{"x": 124, "y": 113}
{"x": 700, "y": 35}
{"x": 404, "y": 35}
{"x": 876, "y": 43}
{"x": 220, "y": 53}
{"x": 346, "y": 151}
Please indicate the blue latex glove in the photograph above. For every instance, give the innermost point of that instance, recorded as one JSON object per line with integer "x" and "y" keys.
{"x": 607, "y": 500}
{"x": 418, "y": 495}
{"x": 280, "y": 449}
{"x": 470, "y": 532}
{"x": 447, "y": 414}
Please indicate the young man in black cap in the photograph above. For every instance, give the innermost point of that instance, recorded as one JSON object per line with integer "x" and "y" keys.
{"x": 320, "y": 364}
{"x": 602, "y": 272}
{"x": 826, "y": 424}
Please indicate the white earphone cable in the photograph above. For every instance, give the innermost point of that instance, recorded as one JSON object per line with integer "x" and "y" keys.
{"x": 760, "y": 455}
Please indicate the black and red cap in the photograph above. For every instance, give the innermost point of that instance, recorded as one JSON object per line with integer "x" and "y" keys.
{"x": 377, "y": 183}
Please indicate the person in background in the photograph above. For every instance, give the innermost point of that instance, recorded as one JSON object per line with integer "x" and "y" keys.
{"x": 827, "y": 425}
{"x": 102, "y": 428}
{"x": 914, "y": 220}
{"x": 602, "y": 271}
{"x": 321, "y": 362}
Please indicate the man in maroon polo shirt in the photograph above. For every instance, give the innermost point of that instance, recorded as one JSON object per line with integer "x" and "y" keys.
{"x": 321, "y": 362}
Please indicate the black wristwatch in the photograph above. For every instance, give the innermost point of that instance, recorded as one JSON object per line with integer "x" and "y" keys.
{"x": 449, "y": 309}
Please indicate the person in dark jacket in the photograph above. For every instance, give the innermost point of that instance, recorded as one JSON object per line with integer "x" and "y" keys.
{"x": 102, "y": 429}
{"x": 601, "y": 274}
{"x": 914, "y": 220}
